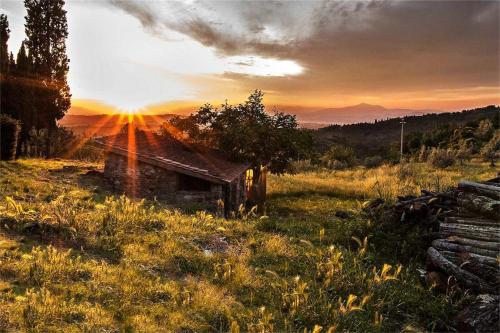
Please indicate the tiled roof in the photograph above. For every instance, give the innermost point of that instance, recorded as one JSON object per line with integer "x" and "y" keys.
{"x": 172, "y": 154}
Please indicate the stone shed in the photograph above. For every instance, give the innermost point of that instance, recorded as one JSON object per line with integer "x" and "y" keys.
{"x": 144, "y": 164}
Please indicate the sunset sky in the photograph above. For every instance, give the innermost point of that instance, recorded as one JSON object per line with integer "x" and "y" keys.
{"x": 158, "y": 56}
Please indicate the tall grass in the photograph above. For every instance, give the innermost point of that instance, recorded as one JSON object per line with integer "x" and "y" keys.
{"x": 386, "y": 182}
{"x": 75, "y": 258}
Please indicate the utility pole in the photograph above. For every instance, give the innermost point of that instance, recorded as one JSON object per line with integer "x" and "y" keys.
{"x": 403, "y": 122}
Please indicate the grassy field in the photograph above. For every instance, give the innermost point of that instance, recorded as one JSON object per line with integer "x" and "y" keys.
{"x": 75, "y": 258}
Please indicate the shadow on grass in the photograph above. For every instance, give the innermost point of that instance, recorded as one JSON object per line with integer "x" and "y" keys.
{"x": 328, "y": 193}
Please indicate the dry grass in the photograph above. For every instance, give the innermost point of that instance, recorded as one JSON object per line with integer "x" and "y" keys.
{"x": 73, "y": 258}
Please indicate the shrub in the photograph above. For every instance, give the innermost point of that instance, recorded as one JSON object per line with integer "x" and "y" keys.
{"x": 302, "y": 166}
{"x": 373, "y": 161}
{"x": 423, "y": 153}
{"x": 441, "y": 158}
{"x": 62, "y": 142}
{"x": 338, "y": 157}
{"x": 491, "y": 151}
{"x": 9, "y": 132}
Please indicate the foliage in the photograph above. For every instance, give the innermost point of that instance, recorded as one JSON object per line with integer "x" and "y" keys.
{"x": 338, "y": 157}
{"x": 76, "y": 259}
{"x": 369, "y": 139}
{"x": 246, "y": 133}
{"x": 373, "y": 161}
{"x": 491, "y": 151}
{"x": 9, "y": 131}
{"x": 464, "y": 151}
{"x": 4, "y": 37}
{"x": 35, "y": 89}
{"x": 441, "y": 158}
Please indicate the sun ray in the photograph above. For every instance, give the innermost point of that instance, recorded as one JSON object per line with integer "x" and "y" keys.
{"x": 93, "y": 130}
{"x": 131, "y": 158}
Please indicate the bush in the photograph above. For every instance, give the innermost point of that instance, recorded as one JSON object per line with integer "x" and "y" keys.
{"x": 338, "y": 157}
{"x": 9, "y": 132}
{"x": 441, "y": 158}
{"x": 302, "y": 166}
{"x": 373, "y": 161}
{"x": 491, "y": 151}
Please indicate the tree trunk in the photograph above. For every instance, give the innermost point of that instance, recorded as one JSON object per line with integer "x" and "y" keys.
{"x": 49, "y": 140}
{"x": 463, "y": 277}
{"x": 443, "y": 244}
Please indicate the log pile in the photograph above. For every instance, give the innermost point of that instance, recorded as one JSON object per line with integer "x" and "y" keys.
{"x": 467, "y": 244}
{"x": 462, "y": 227}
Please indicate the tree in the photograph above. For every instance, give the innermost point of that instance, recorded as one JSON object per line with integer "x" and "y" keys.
{"x": 46, "y": 31}
{"x": 246, "y": 133}
{"x": 491, "y": 150}
{"x": 338, "y": 157}
{"x": 4, "y": 38}
{"x": 23, "y": 61}
{"x": 485, "y": 130}
{"x": 464, "y": 151}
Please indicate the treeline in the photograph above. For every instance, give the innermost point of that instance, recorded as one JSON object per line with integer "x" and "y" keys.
{"x": 34, "y": 87}
{"x": 383, "y": 137}
{"x": 440, "y": 139}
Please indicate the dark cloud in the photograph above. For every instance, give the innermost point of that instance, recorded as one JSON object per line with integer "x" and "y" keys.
{"x": 347, "y": 46}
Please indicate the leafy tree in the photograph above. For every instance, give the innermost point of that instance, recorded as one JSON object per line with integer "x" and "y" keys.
{"x": 46, "y": 31}
{"x": 491, "y": 151}
{"x": 246, "y": 133}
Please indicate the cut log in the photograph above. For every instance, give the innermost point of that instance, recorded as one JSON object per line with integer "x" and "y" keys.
{"x": 487, "y": 273}
{"x": 493, "y": 246}
{"x": 485, "y": 233}
{"x": 472, "y": 221}
{"x": 480, "y": 316}
{"x": 463, "y": 277}
{"x": 443, "y": 244}
{"x": 482, "y": 205}
{"x": 467, "y": 256}
{"x": 481, "y": 189}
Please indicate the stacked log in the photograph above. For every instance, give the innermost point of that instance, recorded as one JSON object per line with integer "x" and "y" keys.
{"x": 467, "y": 247}
{"x": 463, "y": 228}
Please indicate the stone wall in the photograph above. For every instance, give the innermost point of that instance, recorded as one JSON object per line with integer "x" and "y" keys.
{"x": 143, "y": 180}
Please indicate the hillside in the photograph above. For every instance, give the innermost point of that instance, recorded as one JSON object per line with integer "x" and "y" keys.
{"x": 76, "y": 258}
{"x": 354, "y": 114}
{"x": 382, "y": 137}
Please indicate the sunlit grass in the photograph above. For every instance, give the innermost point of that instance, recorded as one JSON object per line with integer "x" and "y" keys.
{"x": 74, "y": 258}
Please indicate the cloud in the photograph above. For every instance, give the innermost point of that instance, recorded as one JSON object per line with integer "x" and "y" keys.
{"x": 346, "y": 47}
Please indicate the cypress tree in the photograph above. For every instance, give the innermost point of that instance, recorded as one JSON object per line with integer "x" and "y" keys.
{"x": 4, "y": 38}
{"x": 46, "y": 31}
{"x": 22, "y": 63}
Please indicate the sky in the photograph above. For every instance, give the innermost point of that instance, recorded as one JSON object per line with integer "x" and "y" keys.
{"x": 162, "y": 56}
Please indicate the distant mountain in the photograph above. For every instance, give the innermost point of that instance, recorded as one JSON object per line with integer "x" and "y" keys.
{"x": 355, "y": 114}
